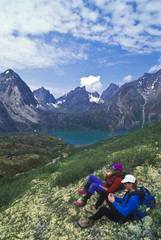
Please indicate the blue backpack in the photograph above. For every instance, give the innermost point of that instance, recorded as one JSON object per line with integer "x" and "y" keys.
{"x": 146, "y": 200}
{"x": 145, "y": 197}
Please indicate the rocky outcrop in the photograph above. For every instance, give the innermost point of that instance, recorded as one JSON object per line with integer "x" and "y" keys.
{"x": 17, "y": 99}
{"x": 7, "y": 124}
{"x": 109, "y": 92}
{"x": 44, "y": 97}
{"x": 78, "y": 100}
{"x": 136, "y": 104}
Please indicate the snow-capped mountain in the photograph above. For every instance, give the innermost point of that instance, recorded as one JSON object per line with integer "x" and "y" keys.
{"x": 44, "y": 97}
{"x": 17, "y": 99}
{"x": 133, "y": 105}
{"x": 78, "y": 100}
{"x": 136, "y": 104}
{"x": 12, "y": 88}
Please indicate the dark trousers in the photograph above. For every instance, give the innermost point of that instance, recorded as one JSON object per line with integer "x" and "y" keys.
{"x": 103, "y": 196}
{"x": 111, "y": 214}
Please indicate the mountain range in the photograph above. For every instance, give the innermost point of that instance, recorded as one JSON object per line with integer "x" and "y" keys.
{"x": 131, "y": 106}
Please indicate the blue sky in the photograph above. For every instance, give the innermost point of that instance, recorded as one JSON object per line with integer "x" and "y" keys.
{"x": 65, "y": 44}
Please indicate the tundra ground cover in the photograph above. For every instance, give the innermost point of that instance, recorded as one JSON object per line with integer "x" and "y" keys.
{"x": 45, "y": 210}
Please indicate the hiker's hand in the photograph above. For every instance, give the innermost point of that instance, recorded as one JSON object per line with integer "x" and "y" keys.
{"x": 107, "y": 174}
{"x": 111, "y": 197}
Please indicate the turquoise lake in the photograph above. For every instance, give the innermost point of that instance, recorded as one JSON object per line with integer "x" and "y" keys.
{"x": 82, "y": 137}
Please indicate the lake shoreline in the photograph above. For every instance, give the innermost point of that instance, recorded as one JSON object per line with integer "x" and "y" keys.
{"x": 79, "y": 138}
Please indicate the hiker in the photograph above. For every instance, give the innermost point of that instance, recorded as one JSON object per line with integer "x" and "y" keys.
{"x": 121, "y": 209}
{"x": 112, "y": 183}
{"x": 103, "y": 196}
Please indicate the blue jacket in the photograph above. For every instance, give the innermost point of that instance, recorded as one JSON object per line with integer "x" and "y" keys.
{"x": 131, "y": 207}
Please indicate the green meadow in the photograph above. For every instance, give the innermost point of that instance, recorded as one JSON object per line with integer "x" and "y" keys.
{"x": 22, "y": 152}
{"x": 38, "y": 203}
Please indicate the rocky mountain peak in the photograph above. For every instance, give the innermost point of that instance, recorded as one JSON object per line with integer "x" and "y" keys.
{"x": 146, "y": 74}
{"x": 109, "y": 92}
{"x": 9, "y": 74}
{"x": 9, "y": 71}
{"x": 95, "y": 94}
{"x": 78, "y": 100}
{"x": 14, "y": 90}
{"x": 44, "y": 97}
{"x": 137, "y": 104}
{"x": 133, "y": 105}
{"x": 80, "y": 89}
{"x": 17, "y": 97}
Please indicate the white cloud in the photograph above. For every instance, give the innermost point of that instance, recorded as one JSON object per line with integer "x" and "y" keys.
{"x": 26, "y": 26}
{"x": 91, "y": 83}
{"x": 127, "y": 78}
{"x": 20, "y": 52}
{"x": 25, "y": 35}
{"x": 155, "y": 67}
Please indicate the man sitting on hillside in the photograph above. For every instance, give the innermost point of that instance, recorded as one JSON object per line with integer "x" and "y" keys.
{"x": 121, "y": 209}
{"x": 112, "y": 183}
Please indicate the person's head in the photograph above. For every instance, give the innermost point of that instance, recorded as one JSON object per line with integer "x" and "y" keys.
{"x": 117, "y": 167}
{"x": 130, "y": 182}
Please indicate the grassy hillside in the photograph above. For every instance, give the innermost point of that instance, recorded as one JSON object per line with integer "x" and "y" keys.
{"x": 39, "y": 203}
{"x": 21, "y": 152}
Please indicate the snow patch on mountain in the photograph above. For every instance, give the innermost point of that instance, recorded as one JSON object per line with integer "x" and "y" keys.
{"x": 94, "y": 99}
{"x": 153, "y": 84}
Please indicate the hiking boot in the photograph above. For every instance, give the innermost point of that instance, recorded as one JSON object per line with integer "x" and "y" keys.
{"x": 91, "y": 209}
{"x": 79, "y": 203}
{"x": 82, "y": 192}
{"x": 85, "y": 223}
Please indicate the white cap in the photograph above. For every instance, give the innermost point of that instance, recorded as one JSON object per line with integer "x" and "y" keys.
{"x": 129, "y": 178}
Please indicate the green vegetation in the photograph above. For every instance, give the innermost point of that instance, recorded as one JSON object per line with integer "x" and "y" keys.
{"x": 131, "y": 150}
{"x": 22, "y": 152}
{"x": 38, "y": 204}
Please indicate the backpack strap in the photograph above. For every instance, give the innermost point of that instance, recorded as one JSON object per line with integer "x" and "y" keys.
{"x": 141, "y": 195}
{"x": 139, "y": 192}
{"x": 122, "y": 175}
{"x": 117, "y": 176}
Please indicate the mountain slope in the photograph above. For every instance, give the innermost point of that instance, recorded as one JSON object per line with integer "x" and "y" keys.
{"x": 22, "y": 152}
{"x": 78, "y": 101}
{"x": 14, "y": 89}
{"x": 44, "y": 208}
{"x": 136, "y": 104}
{"x": 132, "y": 106}
{"x": 44, "y": 97}
{"x": 17, "y": 100}
{"x": 6, "y": 122}
{"x": 109, "y": 92}
{"x": 44, "y": 212}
